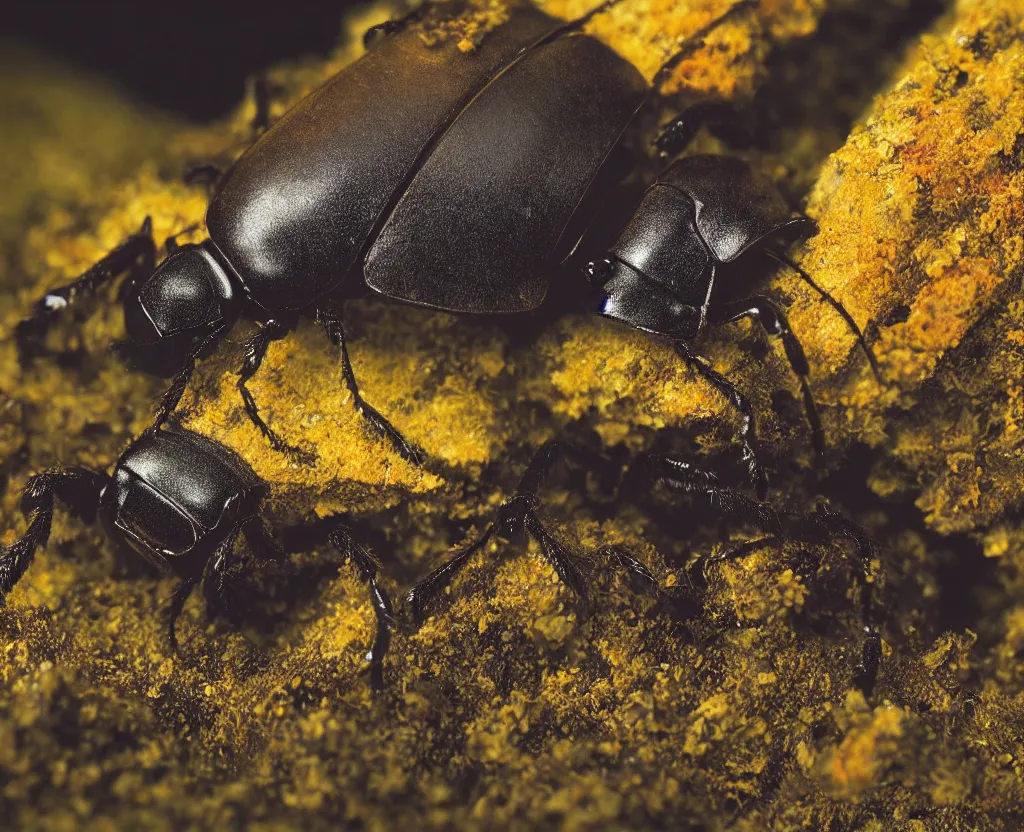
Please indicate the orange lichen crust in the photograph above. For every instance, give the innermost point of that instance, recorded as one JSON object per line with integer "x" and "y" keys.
{"x": 730, "y": 700}
{"x": 724, "y": 64}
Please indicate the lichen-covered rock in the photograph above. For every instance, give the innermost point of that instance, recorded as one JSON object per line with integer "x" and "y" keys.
{"x": 728, "y": 702}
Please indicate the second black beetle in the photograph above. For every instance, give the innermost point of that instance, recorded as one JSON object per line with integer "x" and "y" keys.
{"x": 181, "y": 501}
{"x": 453, "y": 179}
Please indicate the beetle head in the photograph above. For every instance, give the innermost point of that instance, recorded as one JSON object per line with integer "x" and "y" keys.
{"x": 149, "y": 523}
{"x": 189, "y": 298}
{"x": 626, "y": 295}
{"x": 175, "y": 496}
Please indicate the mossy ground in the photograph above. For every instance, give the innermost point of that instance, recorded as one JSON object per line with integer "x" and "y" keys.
{"x": 507, "y": 708}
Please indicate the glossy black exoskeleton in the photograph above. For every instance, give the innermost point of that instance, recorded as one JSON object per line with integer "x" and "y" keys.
{"x": 456, "y": 179}
{"x": 688, "y": 237}
{"x": 430, "y": 174}
{"x": 181, "y": 501}
{"x": 402, "y": 174}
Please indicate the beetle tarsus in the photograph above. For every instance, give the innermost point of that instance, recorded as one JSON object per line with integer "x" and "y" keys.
{"x": 821, "y": 526}
{"x": 261, "y": 541}
{"x": 176, "y": 389}
{"x": 516, "y": 514}
{"x": 216, "y": 583}
{"x": 334, "y": 529}
{"x": 620, "y": 558}
{"x": 865, "y": 674}
{"x": 342, "y": 540}
{"x": 824, "y": 526}
{"x": 426, "y": 590}
{"x": 686, "y": 478}
{"x": 774, "y": 322}
{"x": 748, "y": 428}
{"x": 561, "y": 558}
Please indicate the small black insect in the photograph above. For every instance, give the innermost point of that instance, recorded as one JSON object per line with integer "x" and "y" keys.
{"x": 181, "y": 501}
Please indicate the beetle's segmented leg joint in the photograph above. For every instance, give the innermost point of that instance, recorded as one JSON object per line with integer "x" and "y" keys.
{"x": 77, "y": 488}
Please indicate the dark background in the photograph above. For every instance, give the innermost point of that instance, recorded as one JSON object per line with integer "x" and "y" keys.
{"x": 188, "y": 57}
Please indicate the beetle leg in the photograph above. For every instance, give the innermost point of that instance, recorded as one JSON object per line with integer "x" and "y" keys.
{"x": 748, "y": 428}
{"x": 375, "y": 34}
{"x": 774, "y": 322}
{"x": 216, "y": 584}
{"x": 171, "y": 245}
{"x": 783, "y": 260}
{"x": 78, "y": 488}
{"x": 826, "y": 526}
{"x": 261, "y": 96}
{"x": 330, "y": 319}
{"x": 382, "y": 30}
{"x": 560, "y": 557}
{"x": 207, "y": 174}
{"x": 172, "y": 395}
{"x": 865, "y": 674}
{"x": 620, "y": 557}
{"x": 342, "y": 540}
{"x": 428, "y": 588}
{"x": 255, "y": 351}
{"x": 31, "y": 331}
{"x": 688, "y": 479}
{"x": 179, "y": 596}
{"x": 677, "y": 134}
{"x": 333, "y": 529}
{"x": 518, "y": 512}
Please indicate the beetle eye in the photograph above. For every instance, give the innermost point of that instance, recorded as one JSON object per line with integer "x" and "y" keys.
{"x": 150, "y": 521}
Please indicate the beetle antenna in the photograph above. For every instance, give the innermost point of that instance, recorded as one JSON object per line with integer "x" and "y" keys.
{"x": 78, "y": 488}
{"x": 783, "y": 260}
{"x": 695, "y": 41}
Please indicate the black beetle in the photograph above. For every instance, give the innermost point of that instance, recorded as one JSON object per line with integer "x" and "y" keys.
{"x": 181, "y": 501}
{"x": 457, "y": 180}
{"x": 683, "y": 242}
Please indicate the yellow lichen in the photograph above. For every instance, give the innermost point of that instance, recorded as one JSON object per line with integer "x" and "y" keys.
{"x": 731, "y": 699}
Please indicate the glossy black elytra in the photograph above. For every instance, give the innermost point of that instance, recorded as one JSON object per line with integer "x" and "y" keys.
{"x": 181, "y": 501}
{"x": 457, "y": 180}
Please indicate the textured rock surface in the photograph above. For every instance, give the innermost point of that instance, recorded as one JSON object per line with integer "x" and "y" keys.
{"x": 505, "y": 708}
